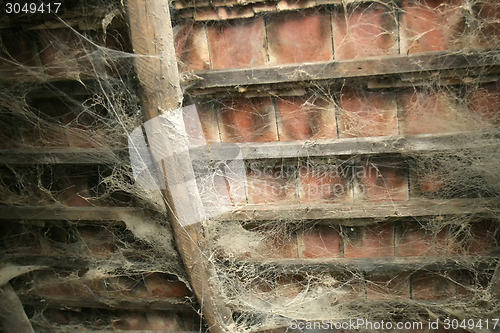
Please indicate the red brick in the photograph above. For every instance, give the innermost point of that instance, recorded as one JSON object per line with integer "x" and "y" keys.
{"x": 136, "y": 321}
{"x": 201, "y": 125}
{"x": 160, "y": 286}
{"x": 480, "y": 237}
{"x": 320, "y": 242}
{"x": 363, "y": 113}
{"x": 485, "y": 102}
{"x": 430, "y": 182}
{"x": 299, "y": 37}
{"x": 382, "y": 181}
{"x": 237, "y": 44}
{"x": 487, "y": 32}
{"x": 431, "y": 25}
{"x": 282, "y": 246}
{"x": 295, "y": 4}
{"x": 264, "y": 7}
{"x": 97, "y": 241}
{"x": 227, "y": 13}
{"x": 165, "y": 322}
{"x": 364, "y": 31}
{"x": 206, "y": 15}
{"x": 323, "y": 181}
{"x": 64, "y": 54}
{"x": 302, "y": 118}
{"x": 46, "y": 284}
{"x": 387, "y": 286}
{"x": 369, "y": 241}
{"x": 431, "y": 286}
{"x": 412, "y": 239}
{"x": 271, "y": 185}
{"x": 75, "y": 192}
{"x": 248, "y": 120}
{"x": 191, "y": 46}
{"x": 430, "y": 112}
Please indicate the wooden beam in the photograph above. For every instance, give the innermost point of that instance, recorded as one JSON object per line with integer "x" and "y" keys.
{"x": 69, "y": 261}
{"x": 345, "y": 69}
{"x": 378, "y": 265}
{"x": 373, "y": 210}
{"x": 108, "y": 303}
{"x": 60, "y": 156}
{"x": 66, "y": 213}
{"x": 354, "y": 146}
{"x": 156, "y": 65}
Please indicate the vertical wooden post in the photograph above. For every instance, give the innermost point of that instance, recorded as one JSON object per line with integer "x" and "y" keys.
{"x": 156, "y": 65}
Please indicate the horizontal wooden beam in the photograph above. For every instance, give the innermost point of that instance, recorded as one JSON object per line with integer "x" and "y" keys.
{"x": 69, "y": 261}
{"x": 60, "y": 156}
{"x": 352, "y": 146}
{"x": 344, "y": 69}
{"x": 369, "y": 210}
{"x": 66, "y": 213}
{"x": 378, "y": 265}
{"x": 108, "y": 303}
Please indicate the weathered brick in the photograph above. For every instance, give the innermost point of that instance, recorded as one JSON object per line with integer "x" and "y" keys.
{"x": 485, "y": 102}
{"x": 388, "y": 286}
{"x": 431, "y": 286}
{"x": 160, "y": 286}
{"x": 299, "y": 37}
{"x": 136, "y": 321}
{"x": 430, "y": 112}
{"x": 271, "y": 184}
{"x": 412, "y": 239}
{"x": 166, "y": 322}
{"x": 65, "y": 54}
{"x": 75, "y": 192}
{"x": 237, "y": 44}
{"x": 227, "y": 13}
{"x": 303, "y": 118}
{"x": 97, "y": 241}
{"x": 295, "y": 4}
{"x": 320, "y": 180}
{"x": 364, "y": 113}
{"x": 201, "y": 125}
{"x": 248, "y": 120}
{"x": 364, "y": 31}
{"x": 281, "y": 247}
{"x": 369, "y": 241}
{"x": 191, "y": 46}
{"x": 381, "y": 181}
{"x": 479, "y": 238}
{"x": 431, "y": 25}
{"x": 320, "y": 242}
{"x": 486, "y": 32}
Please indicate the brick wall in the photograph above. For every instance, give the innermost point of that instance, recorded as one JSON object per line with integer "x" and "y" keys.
{"x": 338, "y": 32}
{"x": 306, "y": 32}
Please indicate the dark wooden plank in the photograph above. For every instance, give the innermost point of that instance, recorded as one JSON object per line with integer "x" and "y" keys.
{"x": 331, "y": 70}
{"x": 65, "y": 213}
{"x": 352, "y": 146}
{"x": 60, "y": 156}
{"x": 369, "y": 210}
{"x": 108, "y": 303}
{"x": 77, "y": 262}
{"x": 378, "y": 265}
